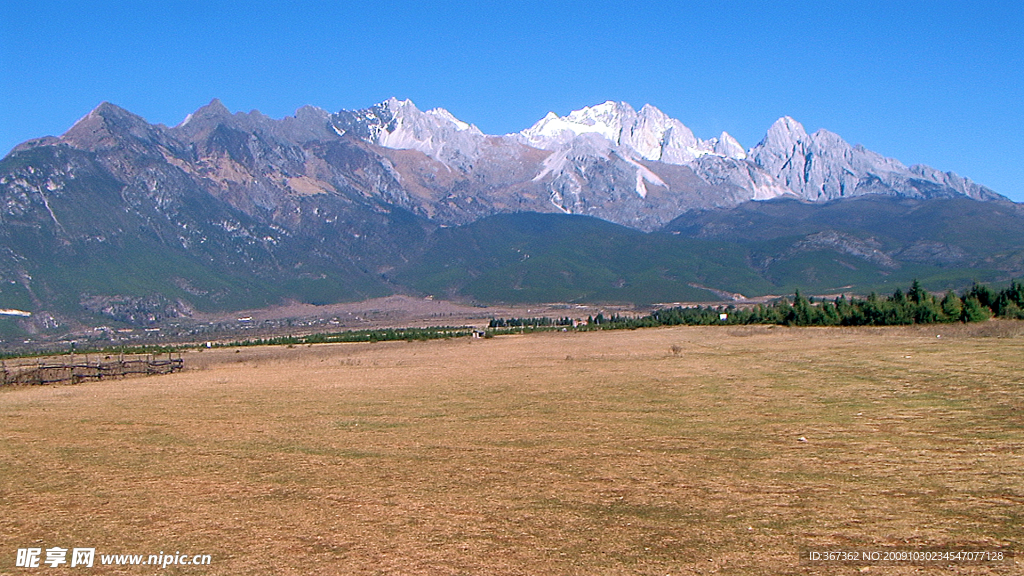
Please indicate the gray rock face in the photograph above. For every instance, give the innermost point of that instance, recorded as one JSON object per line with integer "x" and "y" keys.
{"x": 868, "y": 249}
{"x": 822, "y": 167}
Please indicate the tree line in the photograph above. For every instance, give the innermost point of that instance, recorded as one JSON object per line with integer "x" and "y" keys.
{"x": 915, "y": 306}
{"x": 370, "y": 335}
{"x": 529, "y": 322}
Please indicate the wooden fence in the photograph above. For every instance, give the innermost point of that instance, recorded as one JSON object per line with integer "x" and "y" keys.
{"x": 74, "y": 369}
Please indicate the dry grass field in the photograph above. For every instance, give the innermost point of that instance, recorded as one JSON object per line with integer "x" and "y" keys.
{"x": 651, "y": 452}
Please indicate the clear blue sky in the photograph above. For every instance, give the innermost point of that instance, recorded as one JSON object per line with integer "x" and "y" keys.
{"x": 939, "y": 83}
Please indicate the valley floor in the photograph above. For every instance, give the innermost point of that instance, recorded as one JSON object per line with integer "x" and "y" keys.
{"x": 397, "y": 311}
{"x": 688, "y": 450}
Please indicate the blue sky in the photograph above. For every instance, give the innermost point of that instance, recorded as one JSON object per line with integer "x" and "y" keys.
{"x": 938, "y": 83}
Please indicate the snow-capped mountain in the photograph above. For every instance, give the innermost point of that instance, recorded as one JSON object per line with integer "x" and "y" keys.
{"x": 644, "y": 144}
{"x": 239, "y": 209}
{"x": 597, "y": 154}
{"x": 650, "y": 134}
{"x": 637, "y": 168}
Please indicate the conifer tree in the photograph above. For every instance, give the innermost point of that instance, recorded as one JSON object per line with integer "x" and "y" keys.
{"x": 974, "y": 311}
{"x": 952, "y": 306}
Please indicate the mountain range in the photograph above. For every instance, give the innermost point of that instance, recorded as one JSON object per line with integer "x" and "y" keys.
{"x": 122, "y": 221}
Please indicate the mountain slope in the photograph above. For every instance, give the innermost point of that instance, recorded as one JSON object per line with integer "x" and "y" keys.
{"x": 119, "y": 220}
{"x": 119, "y": 209}
{"x": 530, "y": 257}
{"x": 871, "y": 242}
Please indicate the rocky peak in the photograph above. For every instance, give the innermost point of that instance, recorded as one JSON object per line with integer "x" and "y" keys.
{"x": 105, "y": 125}
{"x": 203, "y": 120}
{"x": 215, "y": 110}
{"x": 602, "y": 159}
{"x": 727, "y": 146}
{"x": 785, "y": 134}
{"x": 400, "y": 125}
{"x": 822, "y": 166}
{"x": 309, "y": 123}
{"x": 215, "y": 121}
{"x": 656, "y": 136}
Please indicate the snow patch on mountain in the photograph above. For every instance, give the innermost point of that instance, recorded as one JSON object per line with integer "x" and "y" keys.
{"x": 553, "y": 131}
{"x": 400, "y": 125}
{"x": 644, "y": 174}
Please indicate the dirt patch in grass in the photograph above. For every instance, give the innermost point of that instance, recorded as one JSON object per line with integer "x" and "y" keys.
{"x": 660, "y": 451}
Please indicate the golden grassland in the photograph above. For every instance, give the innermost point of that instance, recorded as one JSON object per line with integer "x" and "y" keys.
{"x": 689, "y": 450}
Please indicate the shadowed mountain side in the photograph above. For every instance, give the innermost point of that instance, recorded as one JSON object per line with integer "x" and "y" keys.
{"x": 946, "y": 242}
{"x": 531, "y": 257}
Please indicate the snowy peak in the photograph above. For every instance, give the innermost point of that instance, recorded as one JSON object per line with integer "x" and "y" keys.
{"x": 727, "y": 146}
{"x": 608, "y": 146}
{"x": 446, "y": 117}
{"x": 637, "y": 167}
{"x": 627, "y": 135}
{"x": 649, "y": 134}
{"x": 656, "y": 136}
{"x": 554, "y": 131}
{"x": 403, "y": 118}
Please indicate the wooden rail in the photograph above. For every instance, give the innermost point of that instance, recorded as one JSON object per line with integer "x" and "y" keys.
{"x": 72, "y": 370}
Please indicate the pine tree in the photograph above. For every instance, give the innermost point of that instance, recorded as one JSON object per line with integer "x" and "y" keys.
{"x": 916, "y": 294}
{"x": 985, "y": 296}
{"x": 974, "y": 310}
{"x": 952, "y": 306}
{"x": 803, "y": 312}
